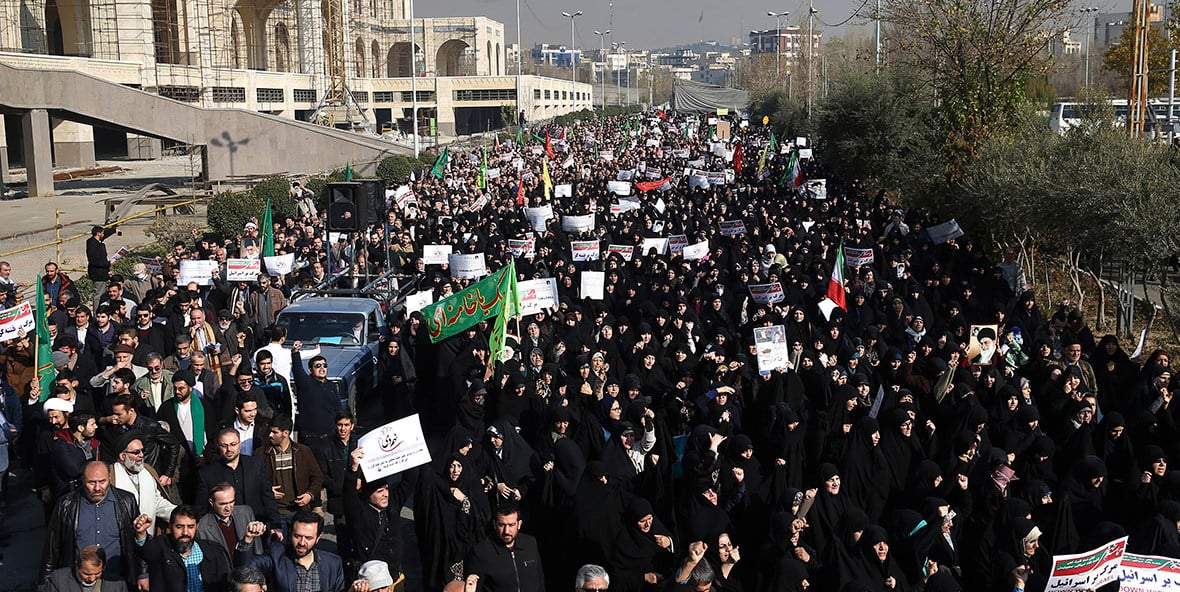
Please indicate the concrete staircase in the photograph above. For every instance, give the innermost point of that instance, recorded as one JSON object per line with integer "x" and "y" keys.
{"x": 237, "y": 142}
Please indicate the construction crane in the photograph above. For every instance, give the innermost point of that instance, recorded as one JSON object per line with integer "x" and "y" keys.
{"x": 1137, "y": 105}
{"x": 337, "y": 97}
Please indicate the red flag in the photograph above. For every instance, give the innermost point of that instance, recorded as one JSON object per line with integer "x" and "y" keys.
{"x": 738, "y": 153}
{"x": 497, "y": 142}
{"x": 661, "y": 114}
{"x": 549, "y": 146}
{"x": 649, "y": 185}
{"x": 520, "y": 191}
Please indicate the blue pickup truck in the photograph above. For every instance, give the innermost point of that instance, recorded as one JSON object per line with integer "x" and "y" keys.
{"x": 348, "y": 331}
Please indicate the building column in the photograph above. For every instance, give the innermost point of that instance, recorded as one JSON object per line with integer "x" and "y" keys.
{"x": 3, "y": 152}
{"x": 73, "y": 145}
{"x": 38, "y": 147}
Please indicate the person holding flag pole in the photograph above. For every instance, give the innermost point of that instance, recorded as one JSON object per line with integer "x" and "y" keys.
{"x": 43, "y": 351}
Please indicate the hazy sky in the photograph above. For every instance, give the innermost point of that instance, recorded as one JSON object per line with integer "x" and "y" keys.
{"x": 657, "y": 23}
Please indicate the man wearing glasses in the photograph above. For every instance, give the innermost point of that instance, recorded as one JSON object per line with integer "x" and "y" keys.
{"x": 155, "y": 387}
{"x": 162, "y": 448}
{"x": 135, "y": 476}
{"x": 319, "y": 398}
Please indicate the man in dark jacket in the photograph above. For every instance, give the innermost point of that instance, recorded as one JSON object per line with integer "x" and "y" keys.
{"x": 166, "y": 561}
{"x": 293, "y": 470}
{"x": 98, "y": 265}
{"x": 85, "y": 576}
{"x": 319, "y": 398}
{"x": 76, "y": 521}
{"x": 509, "y": 560}
{"x": 247, "y": 474}
{"x": 282, "y": 563}
{"x": 373, "y": 515}
{"x": 333, "y": 456}
{"x": 161, "y": 448}
{"x": 72, "y": 448}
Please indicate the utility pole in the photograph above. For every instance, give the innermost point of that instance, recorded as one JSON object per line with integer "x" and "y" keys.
{"x": 414, "y": 79}
{"x": 573, "y": 65}
{"x": 1086, "y": 40}
{"x": 1137, "y": 102}
{"x": 519, "y": 51}
{"x": 778, "y": 42}
{"x": 602, "y": 51}
{"x": 810, "y": 53}
{"x": 877, "y": 26}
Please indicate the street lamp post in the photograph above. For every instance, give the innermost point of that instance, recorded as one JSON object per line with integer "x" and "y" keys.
{"x": 1086, "y": 41}
{"x": 573, "y": 66}
{"x": 810, "y": 52}
{"x": 602, "y": 51}
{"x": 778, "y": 40}
{"x": 413, "y": 80}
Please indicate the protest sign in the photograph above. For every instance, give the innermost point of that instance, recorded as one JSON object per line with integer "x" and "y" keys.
{"x": 625, "y": 175}
{"x": 659, "y": 244}
{"x": 403, "y": 195}
{"x": 805, "y": 154}
{"x": 767, "y": 293}
{"x": 1148, "y": 573}
{"x": 280, "y": 264}
{"x": 539, "y": 217}
{"x": 771, "y": 346}
{"x": 697, "y": 251}
{"x": 818, "y": 188}
{"x": 624, "y": 251}
{"x": 522, "y": 247}
{"x": 716, "y": 177}
{"x": 152, "y": 264}
{"x": 619, "y": 187}
{"x": 593, "y": 284}
{"x": 242, "y": 270}
{"x": 1091, "y": 570}
{"x": 416, "y": 301}
{"x": 696, "y": 181}
{"x": 585, "y": 250}
{"x": 732, "y": 227}
{"x": 197, "y": 270}
{"x": 680, "y": 153}
{"x": 436, "y": 254}
{"x": 536, "y": 295}
{"x": 468, "y": 265}
{"x": 392, "y": 448}
{"x": 677, "y": 242}
{"x": 577, "y": 223}
{"x": 607, "y": 155}
{"x": 566, "y": 190}
{"x": 17, "y": 319}
{"x": 854, "y": 257}
{"x": 944, "y": 232}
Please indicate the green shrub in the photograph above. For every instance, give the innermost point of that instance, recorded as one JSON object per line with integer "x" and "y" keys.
{"x": 277, "y": 188}
{"x": 397, "y": 168}
{"x": 229, "y": 212}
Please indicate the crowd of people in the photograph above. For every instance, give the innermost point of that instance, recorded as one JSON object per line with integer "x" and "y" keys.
{"x": 629, "y": 442}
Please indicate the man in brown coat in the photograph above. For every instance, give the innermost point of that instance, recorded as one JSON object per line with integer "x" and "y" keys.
{"x": 293, "y": 470}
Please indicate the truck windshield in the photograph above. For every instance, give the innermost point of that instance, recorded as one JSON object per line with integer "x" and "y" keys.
{"x": 324, "y": 328}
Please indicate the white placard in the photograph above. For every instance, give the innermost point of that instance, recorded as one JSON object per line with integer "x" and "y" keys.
{"x": 659, "y": 244}
{"x": 607, "y": 155}
{"x": 625, "y": 175}
{"x": 197, "y": 270}
{"x": 732, "y": 227}
{"x": 624, "y": 251}
{"x": 1148, "y": 573}
{"x": 827, "y": 306}
{"x": 15, "y": 320}
{"x": 418, "y": 300}
{"x": 577, "y": 223}
{"x": 805, "y": 154}
{"x": 566, "y": 190}
{"x": 856, "y": 257}
{"x": 437, "y": 254}
{"x": 468, "y": 265}
{"x": 944, "y": 232}
{"x": 660, "y": 205}
{"x": 586, "y": 250}
{"x": 539, "y": 217}
{"x": 619, "y": 187}
{"x": 242, "y": 270}
{"x": 698, "y": 181}
{"x": 537, "y": 295}
{"x": 280, "y": 264}
{"x": 677, "y": 242}
{"x": 697, "y": 251}
{"x": 818, "y": 188}
{"x": 800, "y": 141}
{"x": 771, "y": 345}
{"x": 767, "y": 293}
{"x": 593, "y": 284}
{"x": 492, "y": 173}
{"x": 1090, "y": 570}
{"x": 392, "y": 448}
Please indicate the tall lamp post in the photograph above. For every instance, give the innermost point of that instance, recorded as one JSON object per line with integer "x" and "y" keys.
{"x": 573, "y": 66}
{"x": 1086, "y": 41}
{"x": 778, "y": 39}
{"x": 811, "y": 11}
{"x": 602, "y": 51}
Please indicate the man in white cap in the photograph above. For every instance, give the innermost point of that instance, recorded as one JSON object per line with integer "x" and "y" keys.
{"x": 373, "y": 576}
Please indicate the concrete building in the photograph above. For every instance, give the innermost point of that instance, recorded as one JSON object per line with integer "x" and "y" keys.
{"x": 790, "y": 41}
{"x": 1108, "y": 27}
{"x": 276, "y": 57}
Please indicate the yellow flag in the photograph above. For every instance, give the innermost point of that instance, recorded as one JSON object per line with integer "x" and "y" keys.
{"x": 546, "y": 179}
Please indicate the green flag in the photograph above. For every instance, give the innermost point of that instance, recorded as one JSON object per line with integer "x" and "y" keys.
{"x": 348, "y": 172}
{"x": 268, "y": 232}
{"x": 454, "y": 314}
{"x": 44, "y": 351}
{"x": 520, "y": 136}
{"x": 510, "y": 307}
{"x": 440, "y": 165}
{"x": 773, "y": 143}
{"x": 483, "y": 170}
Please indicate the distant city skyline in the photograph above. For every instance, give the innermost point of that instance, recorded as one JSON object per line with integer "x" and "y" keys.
{"x": 647, "y": 24}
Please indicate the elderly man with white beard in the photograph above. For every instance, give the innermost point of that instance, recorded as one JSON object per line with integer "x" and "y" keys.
{"x": 133, "y": 475}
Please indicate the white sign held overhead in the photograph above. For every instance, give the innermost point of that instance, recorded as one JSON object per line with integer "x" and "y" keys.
{"x": 585, "y": 250}
{"x": 566, "y": 190}
{"x": 468, "y": 265}
{"x": 418, "y": 300}
{"x": 660, "y": 245}
{"x": 437, "y": 254}
{"x": 17, "y": 319}
{"x": 619, "y": 187}
{"x": 771, "y": 346}
{"x": 392, "y": 448}
{"x": 242, "y": 270}
{"x": 624, "y": 251}
{"x": 593, "y": 284}
{"x": 577, "y": 223}
{"x": 280, "y": 264}
{"x": 767, "y": 293}
{"x": 696, "y": 252}
{"x": 197, "y": 270}
{"x": 539, "y": 217}
{"x": 537, "y": 295}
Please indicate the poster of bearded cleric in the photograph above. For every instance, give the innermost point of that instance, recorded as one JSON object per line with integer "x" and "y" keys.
{"x": 982, "y": 349}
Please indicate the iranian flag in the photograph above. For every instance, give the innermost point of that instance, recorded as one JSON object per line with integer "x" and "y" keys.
{"x": 836, "y": 282}
{"x": 795, "y": 178}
